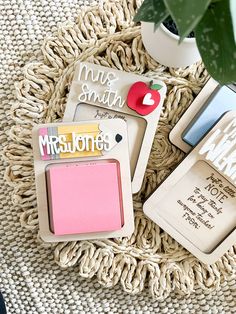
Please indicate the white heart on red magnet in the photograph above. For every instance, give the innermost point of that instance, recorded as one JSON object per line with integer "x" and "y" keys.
{"x": 147, "y": 100}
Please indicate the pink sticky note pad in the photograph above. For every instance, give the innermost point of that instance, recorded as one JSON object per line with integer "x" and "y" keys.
{"x": 84, "y": 197}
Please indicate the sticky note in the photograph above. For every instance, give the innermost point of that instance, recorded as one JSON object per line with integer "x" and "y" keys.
{"x": 84, "y": 197}
{"x": 223, "y": 100}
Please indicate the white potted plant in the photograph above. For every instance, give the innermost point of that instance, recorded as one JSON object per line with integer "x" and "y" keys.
{"x": 168, "y": 27}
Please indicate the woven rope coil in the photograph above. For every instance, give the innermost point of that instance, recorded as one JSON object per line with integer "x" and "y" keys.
{"x": 105, "y": 35}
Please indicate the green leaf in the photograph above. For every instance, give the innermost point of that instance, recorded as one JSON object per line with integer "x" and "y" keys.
{"x": 145, "y": 12}
{"x": 157, "y": 24}
{"x": 161, "y": 13}
{"x": 152, "y": 11}
{"x": 186, "y": 14}
{"x": 215, "y": 40}
{"x": 156, "y": 86}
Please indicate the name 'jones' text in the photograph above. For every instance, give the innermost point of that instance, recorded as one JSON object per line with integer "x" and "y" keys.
{"x": 51, "y": 145}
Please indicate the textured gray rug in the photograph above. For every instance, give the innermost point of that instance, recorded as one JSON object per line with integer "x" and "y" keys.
{"x": 30, "y": 280}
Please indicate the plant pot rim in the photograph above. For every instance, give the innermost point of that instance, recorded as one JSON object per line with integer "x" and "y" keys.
{"x": 176, "y": 37}
{"x": 163, "y": 47}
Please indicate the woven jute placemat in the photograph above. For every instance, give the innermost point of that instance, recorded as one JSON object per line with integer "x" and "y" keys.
{"x": 105, "y": 34}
